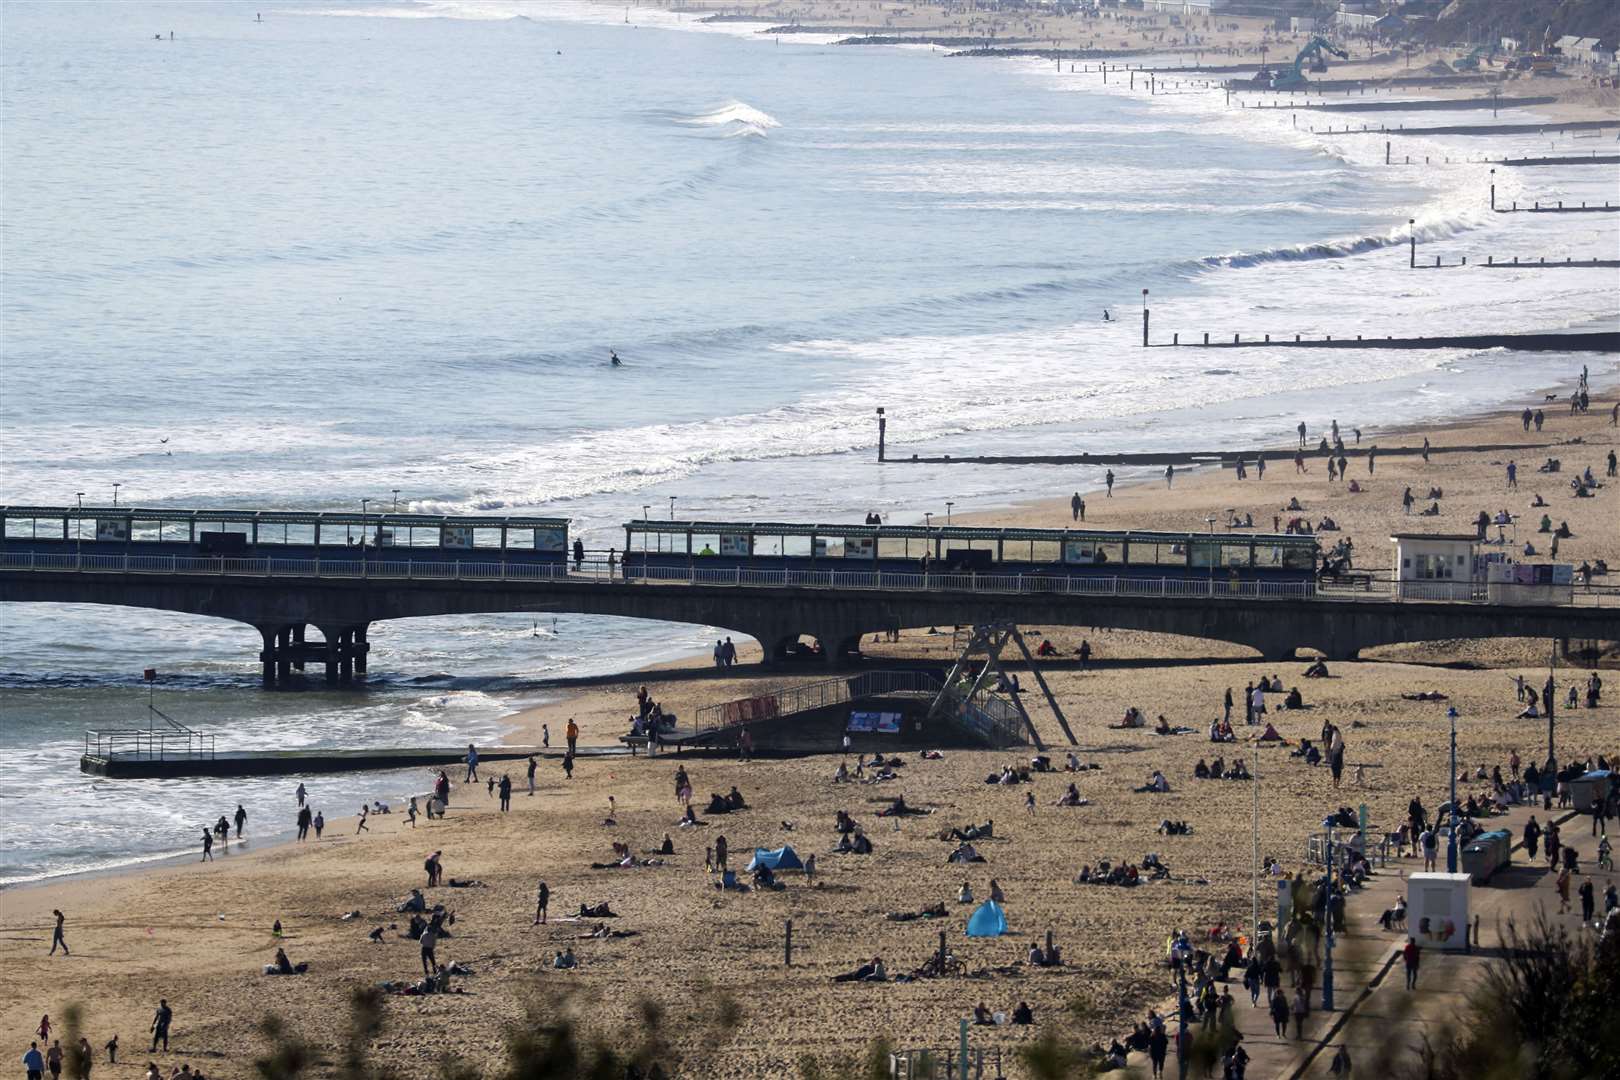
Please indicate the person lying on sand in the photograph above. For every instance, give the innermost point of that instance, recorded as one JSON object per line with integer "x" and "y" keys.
{"x": 873, "y": 972}
{"x": 1425, "y": 695}
{"x": 899, "y": 809}
{"x": 936, "y": 911}
{"x": 596, "y": 911}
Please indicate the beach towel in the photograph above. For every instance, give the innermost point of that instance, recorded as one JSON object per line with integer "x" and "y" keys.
{"x": 987, "y": 921}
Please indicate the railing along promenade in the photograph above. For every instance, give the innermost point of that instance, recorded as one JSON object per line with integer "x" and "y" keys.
{"x": 1215, "y": 586}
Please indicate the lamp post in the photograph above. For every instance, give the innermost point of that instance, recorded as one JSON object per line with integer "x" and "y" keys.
{"x": 116, "y": 486}
{"x": 1183, "y": 1007}
{"x": 948, "y": 505}
{"x": 78, "y": 534}
{"x": 672, "y": 508}
{"x": 363, "y": 503}
{"x": 396, "y": 500}
{"x": 1327, "y": 919}
{"x": 646, "y": 513}
{"x": 80, "y": 496}
{"x": 1451, "y": 841}
{"x": 928, "y": 519}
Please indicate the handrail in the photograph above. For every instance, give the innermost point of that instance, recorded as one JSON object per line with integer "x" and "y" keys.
{"x": 148, "y": 744}
{"x": 1212, "y": 587}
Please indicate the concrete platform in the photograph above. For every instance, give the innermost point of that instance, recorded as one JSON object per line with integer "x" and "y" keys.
{"x": 299, "y": 762}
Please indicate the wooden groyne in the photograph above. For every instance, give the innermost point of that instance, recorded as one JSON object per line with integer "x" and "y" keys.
{"x": 1566, "y": 159}
{"x": 1408, "y": 105}
{"x": 1593, "y": 341}
{"x": 1180, "y": 458}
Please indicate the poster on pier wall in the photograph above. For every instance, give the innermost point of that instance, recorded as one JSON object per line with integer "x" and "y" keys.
{"x": 1079, "y": 551}
{"x": 551, "y": 538}
{"x": 113, "y": 529}
{"x": 882, "y": 723}
{"x": 734, "y": 544}
{"x": 456, "y": 536}
{"x": 860, "y": 547}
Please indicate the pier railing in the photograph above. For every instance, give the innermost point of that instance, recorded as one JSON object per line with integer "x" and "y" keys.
{"x": 816, "y": 695}
{"x": 1215, "y": 586}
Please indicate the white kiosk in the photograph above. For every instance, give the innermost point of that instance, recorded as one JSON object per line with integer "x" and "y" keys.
{"x": 1437, "y": 910}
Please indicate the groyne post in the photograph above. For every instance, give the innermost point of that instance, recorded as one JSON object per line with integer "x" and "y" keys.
{"x": 883, "y": 424}
{"x": 1412, "y": 257}
{"x": 1493, "y": 189}
{"x": 1145, "y": 314}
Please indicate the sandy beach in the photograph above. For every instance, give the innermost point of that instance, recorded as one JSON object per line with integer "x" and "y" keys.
{"x": 198, "y": 934}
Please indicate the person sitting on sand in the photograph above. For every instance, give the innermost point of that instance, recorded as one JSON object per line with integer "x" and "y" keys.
{"x": 864, "y": 973}
{"x": 981, "y": 1015}
{"x": 1156, "y": 784}
{"x": 1023, "y": 1014}
{"x": 563, "y": 961}
{"x": 1163, "y": 726}
{"x": 1318, "y": 670}
{"x": 964, "y": 853}
{"x": 1270, "y": 735}
{"x": 1071, "y": 797}
{"x": 995, "y": 892}
{"x": 734, "y": 799}
{"x": 283, "y": 966}
{"x": 841, "y": 774}
{"x": 1071, "y": 763}
{"x": 1201, "y": 770}
{"x": 965, "y": 894}
{"x": 1294, "y": 700}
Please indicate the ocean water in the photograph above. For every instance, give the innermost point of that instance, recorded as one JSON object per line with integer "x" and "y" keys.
{"x": 358, "y": 248}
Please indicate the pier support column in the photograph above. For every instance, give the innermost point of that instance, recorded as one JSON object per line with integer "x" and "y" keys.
{"x": 267, "y": 657}
{"x": 361, "y": 649}
{"x": 298, "y": 641}
{"x": 331, "y": 634}
{"x": 283, "y": 654}
{"x": 345, "y": 653}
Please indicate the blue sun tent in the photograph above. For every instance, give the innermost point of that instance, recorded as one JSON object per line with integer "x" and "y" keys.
{"x": 987, "y": 921}
{"x": 783, "y": 858}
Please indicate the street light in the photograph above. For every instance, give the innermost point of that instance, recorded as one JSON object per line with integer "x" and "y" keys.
{"x": 1451, "y": 842}
{"x": 80, "y": 496}
{"x": 1327, "y": 918}
{"x": 646, "y": 515}
{"x": 948, "y": 505}
{"x": 672, "y": 508}
{"x": 363, "y": 503}
{"x": 116, "y": 486}
{"x": 396, "y": 500}
{"x": 928, "y": 519}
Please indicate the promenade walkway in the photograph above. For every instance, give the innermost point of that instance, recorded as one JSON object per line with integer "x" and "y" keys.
{"x": 1375, "y": 1014}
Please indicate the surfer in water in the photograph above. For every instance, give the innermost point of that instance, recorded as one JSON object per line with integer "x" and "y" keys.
{"x": 613, "y": 358}
{"x": 1107, "y": 317}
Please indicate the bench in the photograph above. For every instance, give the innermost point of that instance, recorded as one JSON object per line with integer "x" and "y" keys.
{"x": 634, "y": 742}
{"x": 1354, "y": 580}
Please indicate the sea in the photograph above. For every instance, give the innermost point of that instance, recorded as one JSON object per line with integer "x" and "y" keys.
{"x": 297, "y": 255}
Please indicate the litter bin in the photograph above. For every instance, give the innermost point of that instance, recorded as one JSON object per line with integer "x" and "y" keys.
{"x": 1487, "y": 853}
{"x": 1587, "y": 790}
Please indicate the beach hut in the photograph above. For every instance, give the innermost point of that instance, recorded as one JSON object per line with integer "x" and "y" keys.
{"x": 779, "y": 859}
{"x": 987, "y": 920}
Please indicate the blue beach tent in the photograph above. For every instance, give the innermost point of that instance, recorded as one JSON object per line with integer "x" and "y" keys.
{"x": 987, "y": 921}
{"x": 783, "y": 858}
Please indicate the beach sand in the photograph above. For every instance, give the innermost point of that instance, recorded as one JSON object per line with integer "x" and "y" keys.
{"x": 199, "y": 934}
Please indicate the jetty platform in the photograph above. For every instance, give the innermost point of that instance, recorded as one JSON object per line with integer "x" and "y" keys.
{"x": 130, "y": 766}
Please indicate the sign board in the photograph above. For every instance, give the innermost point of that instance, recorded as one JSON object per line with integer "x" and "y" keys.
{"x": 860, "y": 547}
{"x": 457, "y": 536}
{"x": 883, "y": 723}
{"x": 734, "y": 544}
{"x": 818, "y": 547}
{"x": 551, "y": 538}
{"x": 1079, "y": 551}
{"x": 112, "y": 529}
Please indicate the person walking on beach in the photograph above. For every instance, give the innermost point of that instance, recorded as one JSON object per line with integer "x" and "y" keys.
{"x": 56, "y": 934}
{"x": 533, "y": 765}
{"x": 1411, "y": 955}
{"x": 433, "y": 867}
{"x": 1541, "y": 418}
{"x": 1301, "y": 430}
{"x": 720, "y": 853}
{"x": 1108, "y": 479}
{"x": 1430, "y": 843}
{"x": 1372, "y": 454}
{"x": 360, "y": 825}
{"x": 1562, "y": 885}
{"x": 1588, "y": 901}
{"x": 1526, "y": 418}
{"x": 1077, "y": 505}
{"x": 53, "y": 1059}
{"x": 1532, "y": 837}
{"x": 112, "y": 1049}
{"x": 241, "y": 820}
{"x": 410, "y": 812}
{"x": 430, "y": 940}
{"x": 1169, "y": 475}
{"x": 45, "y": 1028}
{"x": 542, "y": 898}
{"x": 506, "y": 793}
{"x": 160, "y": 1025}
{"x": 472, "y": 764}
{"x": 572, "y": 733}
{"x": 545, "y": 736}
{"x": 1513, "y": 475}
{"x": 1228, "y": 705}
{"x": 319, "y": 823}
{"x": 301, "y": 793}
{"x": 1425, "y": 449}
{"x": 1158, "y": 1048}
{"x": 34, "y": 1062}
{"x": 568, "y": 764}
{"x": 303, "y": 821}
{"x": 208, "y": 846}
{"x": 1085, "y": 653}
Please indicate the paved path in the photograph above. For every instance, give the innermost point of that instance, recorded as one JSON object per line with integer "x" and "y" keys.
{"x": 1372, "y": 1003}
